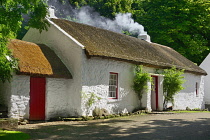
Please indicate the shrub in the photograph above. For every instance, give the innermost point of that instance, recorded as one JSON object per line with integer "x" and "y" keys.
{"x": 140, "y": 81}
{"x": 172, "y": 84}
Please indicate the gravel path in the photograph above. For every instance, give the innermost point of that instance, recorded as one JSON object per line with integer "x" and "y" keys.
{"x": 180, "y": 126}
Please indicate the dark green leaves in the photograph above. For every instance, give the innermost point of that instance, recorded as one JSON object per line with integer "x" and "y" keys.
{"x": 11, "y": 18}
{"x": 182, "y": 25}
{"x": 140, "y": 81}
{"x": 172, "y": 83}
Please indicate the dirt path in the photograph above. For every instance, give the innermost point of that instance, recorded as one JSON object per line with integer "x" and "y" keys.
{"x": 182, "y": 126}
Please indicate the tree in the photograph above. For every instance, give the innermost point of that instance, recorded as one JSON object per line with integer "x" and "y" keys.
{"x": 11, "y": 18}
{"x": 106, "y": 8}
{"x": 183, "y": 25}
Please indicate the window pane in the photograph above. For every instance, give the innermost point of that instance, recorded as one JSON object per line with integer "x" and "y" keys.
{"x": 114, "y": 77}
{"x": 113, "y": 85}
{"x": 113, "y": 94}
{"x": 110, "y": 94}
{"x": 110, "y": 88}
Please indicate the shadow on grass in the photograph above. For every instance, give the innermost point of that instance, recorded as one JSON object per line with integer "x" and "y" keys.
{"x": 13, "y": 135}
{"x": 125, "y": 129}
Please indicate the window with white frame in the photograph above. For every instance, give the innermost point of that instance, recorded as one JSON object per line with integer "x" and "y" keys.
{"x": 113, "y": 85}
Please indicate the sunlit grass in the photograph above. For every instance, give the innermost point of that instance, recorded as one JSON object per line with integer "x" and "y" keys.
{"x": 13, "y": 135}
{"x": 186, "y": 111}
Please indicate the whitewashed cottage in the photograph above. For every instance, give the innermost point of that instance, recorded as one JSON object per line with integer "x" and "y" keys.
{"x": 101, "y": 62}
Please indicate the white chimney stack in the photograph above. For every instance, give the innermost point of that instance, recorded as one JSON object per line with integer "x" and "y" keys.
{"x": 145, "y": 37}
{"x": 51, "y": 12}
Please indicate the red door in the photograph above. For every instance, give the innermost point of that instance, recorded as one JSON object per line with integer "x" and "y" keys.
{"x": 154, "y": 93}
{"x": 37, "y": 98}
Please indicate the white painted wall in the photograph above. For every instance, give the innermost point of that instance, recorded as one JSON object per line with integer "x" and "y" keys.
{"x": 71, "y": 55}
{"x": 146, "y": 98}
{"x": 188, "y": 97}
{"x": 95, "y": 79}
{"x": 206, "y": 66}
{"x": 160, "y": 92}
{"x": 56, "y": 101}
{"x": 18, "y": 97}
{"x": 18, "y": 100}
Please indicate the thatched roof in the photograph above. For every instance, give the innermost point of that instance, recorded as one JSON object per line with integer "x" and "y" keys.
{"x": 108, "y": 44}
{"x": 37, "y": 60}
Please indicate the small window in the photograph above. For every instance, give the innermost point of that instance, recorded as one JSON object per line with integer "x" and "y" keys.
{"x": 113, "y": 85}
{"x": 196, "y": 89}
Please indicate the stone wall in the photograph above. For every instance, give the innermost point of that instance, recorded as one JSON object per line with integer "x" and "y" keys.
{"x": 96, "y": 79}
{"x": 19, "y": 99}
{"x": 56, "y": 101}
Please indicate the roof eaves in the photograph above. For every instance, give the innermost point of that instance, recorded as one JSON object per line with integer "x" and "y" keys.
{"x": 44, "y": 75}
{"x": 151, "y": 64}
{"x": 65, "y": 33}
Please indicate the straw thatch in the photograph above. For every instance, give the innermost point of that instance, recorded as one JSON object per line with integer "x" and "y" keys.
{"x": 37, "y": 60}
{"x": 108, "y": 44}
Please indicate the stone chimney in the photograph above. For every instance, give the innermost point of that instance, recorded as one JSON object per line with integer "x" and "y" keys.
{"x": 51, "y": 12}
{"x": 145, "y": 37}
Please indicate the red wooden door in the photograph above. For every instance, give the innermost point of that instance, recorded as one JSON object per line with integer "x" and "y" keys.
{"x": 154, "y": 93}
{"x": 37, "y": 98}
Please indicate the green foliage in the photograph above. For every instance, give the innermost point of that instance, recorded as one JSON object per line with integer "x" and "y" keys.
{"x": 172, "y": 83}
{"x": 13, "y": 135}
{"x": 5, "y": 65}
{"x": 183, "y": 25}
{"x": 108, "y": 8}
{"x": 185, "y": 111}
{"x": 11, "y": 18}
{"x": 71, "y": 19}
{"x": 90, "y": 99}
{"x": 130, "y": 33}
{"x": 140, "y": 81}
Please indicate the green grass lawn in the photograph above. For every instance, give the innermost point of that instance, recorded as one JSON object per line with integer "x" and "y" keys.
{"x": 186, "y": 111}
{"x": 13, "y": 135}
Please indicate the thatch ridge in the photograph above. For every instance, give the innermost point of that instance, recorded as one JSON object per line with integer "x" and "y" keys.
{"x": 103, "y": 43}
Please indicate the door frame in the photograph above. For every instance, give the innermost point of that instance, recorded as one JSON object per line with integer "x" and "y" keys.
{"x": 156, "y": 91}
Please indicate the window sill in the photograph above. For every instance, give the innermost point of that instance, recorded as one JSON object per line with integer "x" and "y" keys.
{"x": 112, "y": 100}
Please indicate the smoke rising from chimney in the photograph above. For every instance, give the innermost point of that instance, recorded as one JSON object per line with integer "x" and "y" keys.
{"x": 87, "y": 15}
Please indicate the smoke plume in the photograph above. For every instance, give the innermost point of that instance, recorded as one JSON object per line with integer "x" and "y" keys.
{"x": 87, "y": 15}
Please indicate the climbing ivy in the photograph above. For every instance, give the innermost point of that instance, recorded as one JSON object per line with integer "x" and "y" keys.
{"x": 172, "y": 84}
{"x": 140, "y": 81}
